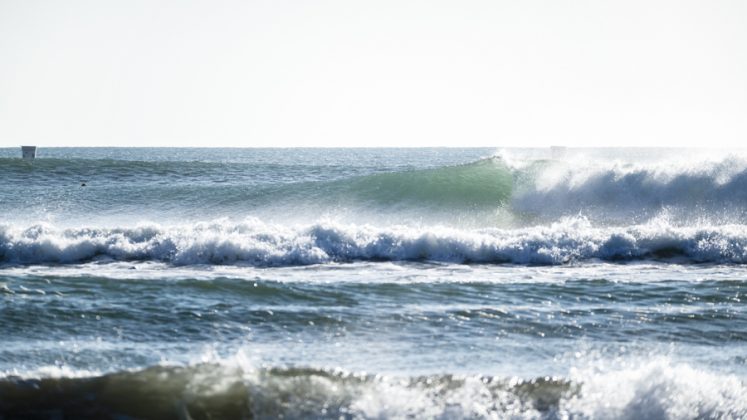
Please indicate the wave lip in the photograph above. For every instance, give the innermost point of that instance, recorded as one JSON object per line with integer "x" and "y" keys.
{"x": 630, "y": 191}
{"x": 255, "y": 243}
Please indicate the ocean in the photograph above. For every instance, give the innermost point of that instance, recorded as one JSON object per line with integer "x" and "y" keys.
{"x": 373, "y": 283}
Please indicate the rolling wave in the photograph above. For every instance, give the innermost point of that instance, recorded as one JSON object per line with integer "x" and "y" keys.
{"x": 492, "y": 192}
{"x": 658, "y": 389}
{"x": 255, "y": 243}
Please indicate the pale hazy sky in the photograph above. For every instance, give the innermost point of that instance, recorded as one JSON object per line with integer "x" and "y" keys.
{"x": 374, "y": 73}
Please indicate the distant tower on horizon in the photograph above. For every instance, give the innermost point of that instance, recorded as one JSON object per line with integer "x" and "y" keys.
{"x": 28, "y": 152}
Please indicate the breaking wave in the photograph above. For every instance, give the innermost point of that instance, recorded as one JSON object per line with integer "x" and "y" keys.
{"x": 715, "y": 189}
{"x": 657, "y": 389}
{"x": 255, "y": 243}
{"x": 493, "y": 192}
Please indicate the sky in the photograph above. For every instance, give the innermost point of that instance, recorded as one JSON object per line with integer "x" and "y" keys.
{"x": 348, "y": 73}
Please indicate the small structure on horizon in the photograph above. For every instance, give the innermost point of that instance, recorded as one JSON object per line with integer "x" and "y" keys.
{"x": 28, "y": 152}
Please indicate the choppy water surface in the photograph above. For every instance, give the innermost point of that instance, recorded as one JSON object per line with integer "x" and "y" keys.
{"x": 373, "y": 283}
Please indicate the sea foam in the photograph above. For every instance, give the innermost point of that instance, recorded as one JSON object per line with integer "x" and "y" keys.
{"x": 252, "y": 242}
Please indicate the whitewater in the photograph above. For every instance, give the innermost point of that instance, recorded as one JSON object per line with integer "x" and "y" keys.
{"x": 373, "y": 283}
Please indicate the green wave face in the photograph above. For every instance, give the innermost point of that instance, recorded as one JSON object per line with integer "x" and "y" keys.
{"x": 51, "y": 189}
{"x": 483, "y": 183}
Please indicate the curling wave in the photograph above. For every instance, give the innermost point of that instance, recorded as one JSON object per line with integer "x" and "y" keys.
{"x": 492, "y": 192}
{"x": 255, "y": 243}
{"x": 626, "y": 192}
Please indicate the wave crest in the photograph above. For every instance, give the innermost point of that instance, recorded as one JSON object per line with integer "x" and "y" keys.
{"x": 625, "y": 191}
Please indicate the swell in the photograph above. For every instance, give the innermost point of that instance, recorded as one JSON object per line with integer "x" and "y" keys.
{"x": 657, "y": 389}
{"x": 255, "y": 243}
{"x": 497, "y": 191}
{"x": 198, "y": 190}
{"x": 107, "y": 171}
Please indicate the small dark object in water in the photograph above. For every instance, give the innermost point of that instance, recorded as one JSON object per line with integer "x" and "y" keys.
{"x": 82, "y": 184}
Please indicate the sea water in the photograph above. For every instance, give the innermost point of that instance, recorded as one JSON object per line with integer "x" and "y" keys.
{"x": 373, "y": 283}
